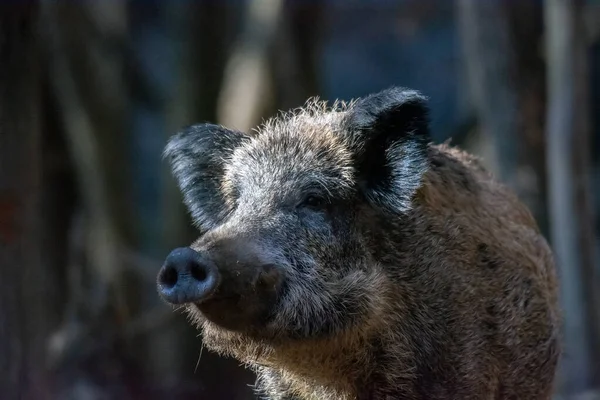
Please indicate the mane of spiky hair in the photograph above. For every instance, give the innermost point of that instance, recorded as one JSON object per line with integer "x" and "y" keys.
{"x": 314, "y": 109}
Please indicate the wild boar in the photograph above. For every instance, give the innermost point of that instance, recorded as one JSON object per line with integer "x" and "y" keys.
{"x": 344, "y": 256}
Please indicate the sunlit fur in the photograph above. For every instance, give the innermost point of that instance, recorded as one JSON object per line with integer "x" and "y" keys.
{"x": 420, "y": 279}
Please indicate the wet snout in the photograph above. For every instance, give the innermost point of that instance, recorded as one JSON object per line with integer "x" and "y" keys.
{"x": 232, "y": 282}
{"x": 187, "y": 277}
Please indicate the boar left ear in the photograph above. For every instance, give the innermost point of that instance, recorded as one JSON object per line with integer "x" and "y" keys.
{"x": 389, "y": 133}
{"x": 197, "y": 156}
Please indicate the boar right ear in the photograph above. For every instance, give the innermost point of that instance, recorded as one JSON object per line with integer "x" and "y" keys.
{"x": 389, "y": 133}
{"x": 197, "y": 156}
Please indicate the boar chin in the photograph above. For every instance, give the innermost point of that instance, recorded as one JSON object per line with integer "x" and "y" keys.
{"x": 244, "y": 346}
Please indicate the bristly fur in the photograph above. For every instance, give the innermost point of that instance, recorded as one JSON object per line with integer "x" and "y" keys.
{"x": 415, "y": 276}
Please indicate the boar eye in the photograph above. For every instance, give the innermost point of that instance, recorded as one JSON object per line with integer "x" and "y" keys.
{"x": 314, "y": 202}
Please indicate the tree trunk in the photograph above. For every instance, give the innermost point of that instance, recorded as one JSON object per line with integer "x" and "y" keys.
{"x": 247, "y": 90}
{"x": 526, "y": 28}
{"x": 489, "y": 63}
{"x": 294, "y": 54}
{"x": 568, "y": 170}
{"x": 23, "y": 313}
{"x": 502, "y": 52}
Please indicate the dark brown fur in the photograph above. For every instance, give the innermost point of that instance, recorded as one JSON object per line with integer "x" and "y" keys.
{"x": 461, "y": 300}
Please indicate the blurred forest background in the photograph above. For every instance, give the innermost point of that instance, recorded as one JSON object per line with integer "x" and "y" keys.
{"x": 90, "y": 91}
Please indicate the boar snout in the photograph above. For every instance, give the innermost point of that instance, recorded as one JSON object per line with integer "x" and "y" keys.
{"x": 187, "y": 277}
{"x": 232, "y": 283}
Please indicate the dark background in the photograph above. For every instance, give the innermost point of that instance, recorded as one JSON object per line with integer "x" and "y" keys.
{"x": 91, "y": 90}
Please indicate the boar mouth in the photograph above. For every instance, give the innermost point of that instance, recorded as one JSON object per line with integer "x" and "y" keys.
{"x": 217, "y": 297}
{"x": 237, "y": 312}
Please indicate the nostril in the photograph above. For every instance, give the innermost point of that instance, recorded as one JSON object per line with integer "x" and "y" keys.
{"x": 198, "y": 272}
{"x": 169, "y": 277}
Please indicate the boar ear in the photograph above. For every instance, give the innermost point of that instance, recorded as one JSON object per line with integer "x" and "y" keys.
{"x": 197, "y": 156}
{"x": 389, "y": 134}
